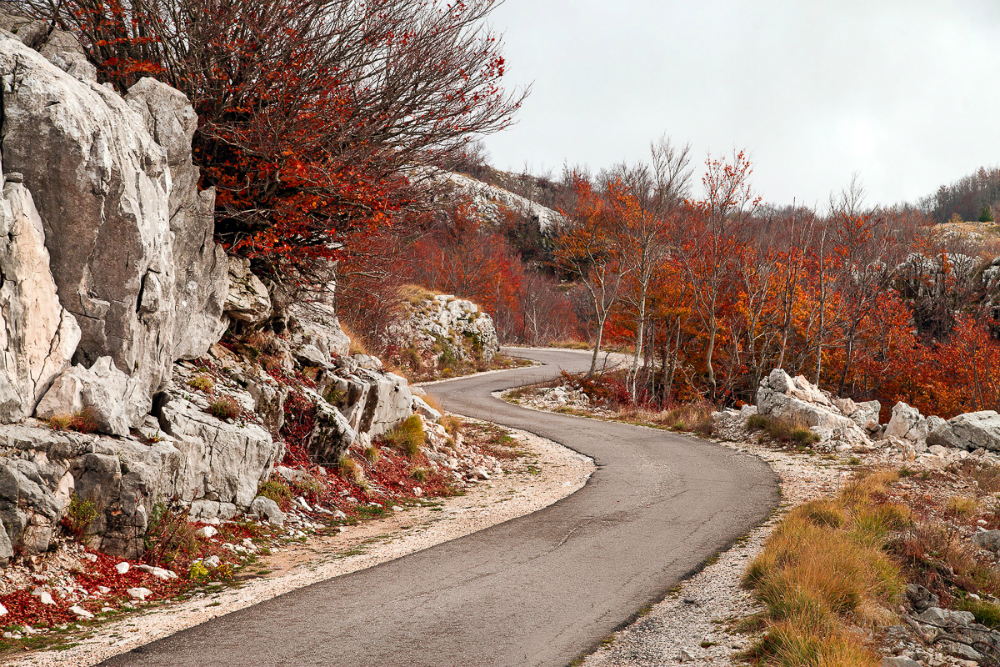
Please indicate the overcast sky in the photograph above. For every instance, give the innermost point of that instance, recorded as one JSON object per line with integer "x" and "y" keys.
{"x": 907, "y": 93}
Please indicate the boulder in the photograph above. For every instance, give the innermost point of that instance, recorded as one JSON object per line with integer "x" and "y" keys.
{"x": 375, "y": 402}
{"x": 248, "y": 299}
{"x": 38, "y": 336}
{"x": 421, "y": 407}
{"x": 101, "y": 185}
{"x": 969, "y": 431}
{"x": 219, "y": 461}
{"x": 265, "y": 508}
{"x": 201, "y": 265}
{"x": 332, "y": 433}
{"x": 796, "y": 401}
{"x": 906, "y": 424}
{"x": 987, "y": 539}
{"x": 446, "y": 325}
{"x": 118, "y": 402}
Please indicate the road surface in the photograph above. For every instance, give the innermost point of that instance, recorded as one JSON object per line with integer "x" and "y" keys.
{"x": 538, "y": 590}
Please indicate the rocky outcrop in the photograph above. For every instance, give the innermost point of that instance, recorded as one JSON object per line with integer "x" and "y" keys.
{"x": 446, "y": 326}
{"x": 101, "y": 185}
{"x": 796, "y": 401}
{"x": 488, "y": 200}
{"x": 247, "y": 299}
{"x": 117, "y": 401}
{"x": 200, "y": 264}
{"x": 969, "y": 431}
{"x": 221, "y": 460}
{"x": 39, "y": 336}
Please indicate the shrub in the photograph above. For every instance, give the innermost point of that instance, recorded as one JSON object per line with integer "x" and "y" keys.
{"x": 225, "y": 407}
{"x": 198, "y": 572}
{"x": 79, "y": 516}
{"x": 277, "y": 491}
{"x": 408, "y": 436}
{"x": 202, "y": 382}
{"x": 351, "y": 471}
{"x": 420, "y": 474}
{"x": 84, "y": 421}
{"x": 169, "y": 536}
{"x": 60, "y": 422}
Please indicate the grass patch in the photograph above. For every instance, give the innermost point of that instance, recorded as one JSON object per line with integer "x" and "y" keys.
{"x": 277, "y": 491}
{"x": 202, "y": 382}
{"x": 783, "y": 430}
{"x": 408, "y": 436}
{"x": 349, "y": 469}
{"x": 224, "y": 407}
{"x": 823, "y": 571}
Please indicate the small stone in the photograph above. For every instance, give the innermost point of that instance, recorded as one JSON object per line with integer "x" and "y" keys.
{"x": 43, "y": 596}
{"x": 122, "y": 568}
{"x": 340, "y": 516}
{"x": 417, "y": 491}
{"x": 212, "y": 562}
{"x": 80, "y": 612}
{"x": 397, "y": 508}
{"x": 139, "y": 593}
{"x": 14, "y": 177}
{"x": 103, "y": 590}
{"x": 685, "y": 656}
{"x": 899, "y": 661}
{"x": 206, "y": 532}
{"x": 3, "y": 610}
{"x": 158, "y": 572}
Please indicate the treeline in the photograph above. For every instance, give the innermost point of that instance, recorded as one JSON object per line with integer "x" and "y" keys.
{"x": 713, "y": 293}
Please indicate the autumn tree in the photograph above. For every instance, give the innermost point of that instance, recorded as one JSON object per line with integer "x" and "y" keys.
{"x": 712, "y": 234}
{"x": 584, "y": 251}
{"x": 643, "y": 200}
{"x": 318, "y": 120}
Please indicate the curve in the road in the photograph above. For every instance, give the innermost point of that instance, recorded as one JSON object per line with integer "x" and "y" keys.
{"x": 537, "y": 590}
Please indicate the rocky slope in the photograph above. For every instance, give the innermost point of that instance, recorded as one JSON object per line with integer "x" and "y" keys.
{"x": 112, "y": 284}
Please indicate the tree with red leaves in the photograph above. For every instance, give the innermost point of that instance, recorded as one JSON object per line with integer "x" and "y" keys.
{"x": 317, "y": 119}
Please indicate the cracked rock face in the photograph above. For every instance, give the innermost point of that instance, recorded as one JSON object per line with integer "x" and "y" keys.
{"x": 200, "y": 264}
{"x": 38, "y": 336}
{"x": 797, "y": 401}
{"x": 101, "y": 185}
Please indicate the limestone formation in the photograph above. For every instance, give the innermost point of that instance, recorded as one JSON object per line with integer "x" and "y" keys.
{"x": 118, "y": 402}
{"x": 101, "y": 185}
{"x": 247, "y": 299}
{"x": 447, "y": 325}
{"x": 37, "y": 335}
{"x": 969, "y": 431}
{"x": 200, "y": 264}
{"x": 797, "y": 401}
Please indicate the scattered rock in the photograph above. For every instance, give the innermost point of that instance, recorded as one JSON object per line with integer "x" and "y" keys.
{"x": 139, "y": 593}
{"x": 206, "y": 532}
{"x": 122, "y": 568}
{"x": 265, "y": 508}
{"x": 80, "y": 612}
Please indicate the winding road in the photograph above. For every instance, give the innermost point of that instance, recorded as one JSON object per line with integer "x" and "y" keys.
{"x": 538, "y": 590}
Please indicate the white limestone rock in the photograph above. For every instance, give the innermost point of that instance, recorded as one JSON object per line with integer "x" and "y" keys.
{"x": 200, "y": 264}
{"x": 38, "y": 336}
{"x": 118, "y": 402}
{"x": 101, "y": 185}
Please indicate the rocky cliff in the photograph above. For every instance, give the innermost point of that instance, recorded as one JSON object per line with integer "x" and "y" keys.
{"x": 113, "y": 299}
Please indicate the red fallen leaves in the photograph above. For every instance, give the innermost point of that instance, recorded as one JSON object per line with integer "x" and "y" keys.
{"x": 25, "y": 609}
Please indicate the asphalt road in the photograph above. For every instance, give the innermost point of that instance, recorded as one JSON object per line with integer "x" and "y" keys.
{"x": 538, "y": 590}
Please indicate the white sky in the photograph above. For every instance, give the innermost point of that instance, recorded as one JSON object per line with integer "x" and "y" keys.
{"x": 907, "y": 92}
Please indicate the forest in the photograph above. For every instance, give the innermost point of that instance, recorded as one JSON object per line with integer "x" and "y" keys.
{"x": 324, "y": 128}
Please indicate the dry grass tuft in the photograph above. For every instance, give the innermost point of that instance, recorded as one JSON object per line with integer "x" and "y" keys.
{"x": 408, "y": 436}
{"x": 824, "y": 570}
